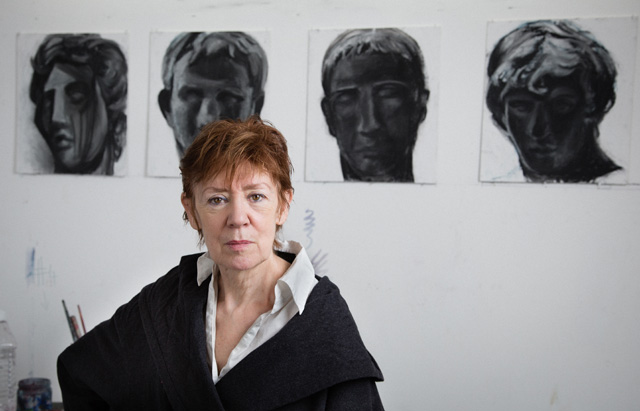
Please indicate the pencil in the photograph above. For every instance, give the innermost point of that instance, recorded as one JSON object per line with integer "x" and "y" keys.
{"x": 75, "y": 326}
{"x": 74, "y": 335}
{"x": 84, "y": 330}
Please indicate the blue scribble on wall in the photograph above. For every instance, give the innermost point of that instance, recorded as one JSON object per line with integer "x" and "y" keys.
{"x": 36, "y": 273}
{"x": 319, "y": 259}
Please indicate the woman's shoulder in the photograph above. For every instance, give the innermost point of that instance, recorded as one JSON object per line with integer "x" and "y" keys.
{"x": 327, "y": 292}
{"x": 327, "y": 317}
{"x": 163, "y": 292}
{"x": 176, "y": 278}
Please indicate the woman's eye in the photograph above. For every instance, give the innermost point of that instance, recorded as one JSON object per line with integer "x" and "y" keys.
{"x": 216, "y": 200}
{"x": 256, "y": 197}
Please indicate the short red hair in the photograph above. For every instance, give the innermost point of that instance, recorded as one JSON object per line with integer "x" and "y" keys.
{"x": 223, "y": 146}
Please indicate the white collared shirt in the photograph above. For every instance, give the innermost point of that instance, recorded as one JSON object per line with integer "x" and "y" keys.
{"x": 291, "y": 293}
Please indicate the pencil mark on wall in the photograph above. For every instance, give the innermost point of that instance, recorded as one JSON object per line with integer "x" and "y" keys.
{"x": 79, "y": 88}
{"x": 31, "y": 264}
{"x": 208, "y": 76}
{"x": 37, "y": 274}
{"x": 319, "y": 259}
{"x": 550, "y": 85}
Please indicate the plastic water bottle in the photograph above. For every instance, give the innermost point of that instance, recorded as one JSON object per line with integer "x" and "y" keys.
{"x": 7, "y": 366}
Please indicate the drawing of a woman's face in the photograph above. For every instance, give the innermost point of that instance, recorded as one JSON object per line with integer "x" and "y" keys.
{"x": 548, "y": 130}
{"x": 72, "y": 116}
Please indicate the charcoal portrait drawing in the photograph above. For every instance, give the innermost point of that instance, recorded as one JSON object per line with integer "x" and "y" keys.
{"x": 207, "y": 77}
{"x": 375, "y": 98}
{"x": 79, "y": 90}
{"x": 550, "y": 85}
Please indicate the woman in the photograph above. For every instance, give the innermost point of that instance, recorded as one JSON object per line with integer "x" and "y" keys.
{"x": 246, "y": 325}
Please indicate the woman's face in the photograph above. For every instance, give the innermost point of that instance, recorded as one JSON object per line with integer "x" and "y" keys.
{"x": 238, "y": 218}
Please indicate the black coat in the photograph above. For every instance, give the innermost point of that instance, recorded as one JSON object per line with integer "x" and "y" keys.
{"x": 151, "y": 355}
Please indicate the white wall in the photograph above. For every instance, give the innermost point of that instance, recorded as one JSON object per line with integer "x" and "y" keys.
{"x": 471, "y": 296}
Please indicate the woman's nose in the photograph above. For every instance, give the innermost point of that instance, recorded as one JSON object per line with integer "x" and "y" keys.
{"x": 238, "y": 215}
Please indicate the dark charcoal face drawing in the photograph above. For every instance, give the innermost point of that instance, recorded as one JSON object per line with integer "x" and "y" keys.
{"x": 375, "y": 99}
{"x": 210, "y": 76}
{"x": 79, "y": 87}
{"x": 550, "y": 85}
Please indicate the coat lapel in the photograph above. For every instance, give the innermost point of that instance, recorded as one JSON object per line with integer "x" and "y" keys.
{"x": 173, "y": 315}
{"x": 313, "y": 352}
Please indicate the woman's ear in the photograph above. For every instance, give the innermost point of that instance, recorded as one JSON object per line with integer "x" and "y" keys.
{"x": 190, "y": 211}
{"x": 284, "y": 208}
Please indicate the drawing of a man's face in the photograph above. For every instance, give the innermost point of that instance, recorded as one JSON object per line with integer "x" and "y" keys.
{"x": 373, "y": 106}
{"x": 79, "y": 88}
{"x": 547, "y": 130}
{"x": 210, "y": 89}
{"x": 550, "y": 85}
{"x": 372, "y": 111}
{"x": 208, "y": 77}
{"x": 73, "y": 116}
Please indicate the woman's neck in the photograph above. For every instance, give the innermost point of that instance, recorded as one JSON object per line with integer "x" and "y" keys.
{"x": 251, "y": 288}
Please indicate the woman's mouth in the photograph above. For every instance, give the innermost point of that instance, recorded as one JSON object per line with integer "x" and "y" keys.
{"x": 238, "y": 245}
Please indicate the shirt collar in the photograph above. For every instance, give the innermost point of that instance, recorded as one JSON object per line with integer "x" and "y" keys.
{"x": 297, "y": 282}
{"x": 205, "y": 267}
{"x": 299, "y": 279}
